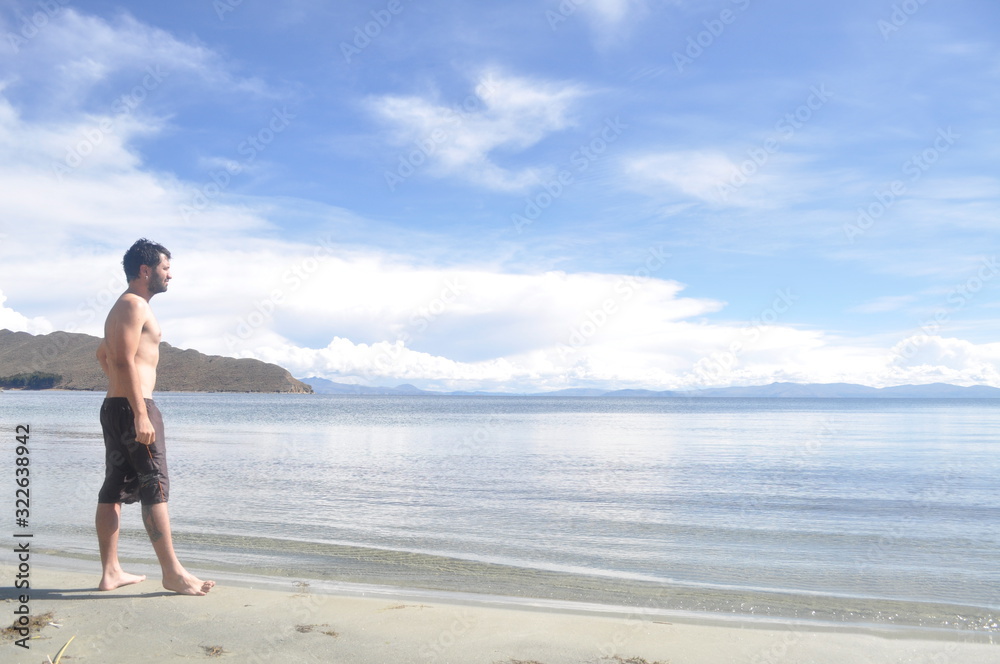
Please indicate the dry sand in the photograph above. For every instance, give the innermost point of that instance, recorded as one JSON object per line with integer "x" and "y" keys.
{"x": 294, "y": 623}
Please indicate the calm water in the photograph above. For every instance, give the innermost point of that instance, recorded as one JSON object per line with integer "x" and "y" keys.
{"x": 849, "y": 511}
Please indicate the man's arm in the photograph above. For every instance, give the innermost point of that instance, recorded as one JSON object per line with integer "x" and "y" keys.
{"x": 121, "y": 338}
{"x": 102, "y": 357}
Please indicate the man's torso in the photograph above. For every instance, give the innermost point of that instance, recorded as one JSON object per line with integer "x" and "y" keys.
{"x": 147, "y": 355}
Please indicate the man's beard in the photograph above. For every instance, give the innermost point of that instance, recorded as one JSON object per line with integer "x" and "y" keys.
{"x": 157, "y": 285}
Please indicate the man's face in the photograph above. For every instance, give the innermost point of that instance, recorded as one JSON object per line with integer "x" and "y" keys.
{"x": 159, "y": 276}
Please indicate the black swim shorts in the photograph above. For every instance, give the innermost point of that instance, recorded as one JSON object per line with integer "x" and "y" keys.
{"x": 133, "y": 471}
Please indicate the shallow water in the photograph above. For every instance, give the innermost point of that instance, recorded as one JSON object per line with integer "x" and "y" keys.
{"x": 844, "y": 511}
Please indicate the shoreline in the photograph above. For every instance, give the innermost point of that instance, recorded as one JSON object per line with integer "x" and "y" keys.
{"x": 468, "y": 595}
{"x": 261, "y": 620}
{"x": 344, "y": 568}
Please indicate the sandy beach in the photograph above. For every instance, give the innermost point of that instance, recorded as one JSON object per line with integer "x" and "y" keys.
{"x": 290, "y": 621}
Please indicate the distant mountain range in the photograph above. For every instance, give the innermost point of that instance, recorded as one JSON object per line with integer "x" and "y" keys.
{"x": 324, "y": 386}
{"x": 71, "y": 357}
{"x": 774, "y": 390}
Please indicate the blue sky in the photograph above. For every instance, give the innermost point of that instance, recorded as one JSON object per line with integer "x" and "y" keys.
{"x": 517, "y": 195}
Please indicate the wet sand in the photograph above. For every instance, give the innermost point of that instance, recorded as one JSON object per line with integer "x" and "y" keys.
{"x": 289, "y": 621}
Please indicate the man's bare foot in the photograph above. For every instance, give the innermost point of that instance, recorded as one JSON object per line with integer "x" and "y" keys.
{"x": 113, "y": 580}
{"x": 186, "y": 584}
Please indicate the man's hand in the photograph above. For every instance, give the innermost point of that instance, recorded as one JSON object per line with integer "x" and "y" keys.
{"x": 144, "y": 432}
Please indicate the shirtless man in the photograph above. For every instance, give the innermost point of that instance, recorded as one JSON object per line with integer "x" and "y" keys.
{"x": 136, "y": 464}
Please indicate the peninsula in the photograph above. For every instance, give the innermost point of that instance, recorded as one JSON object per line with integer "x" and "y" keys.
{"x": 68, "y": 361}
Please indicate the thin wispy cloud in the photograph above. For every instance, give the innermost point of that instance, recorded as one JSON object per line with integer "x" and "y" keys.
{"x": 502, "y": 115}
{"x": 73, "y": 54}
{"x": 884, "y": 304}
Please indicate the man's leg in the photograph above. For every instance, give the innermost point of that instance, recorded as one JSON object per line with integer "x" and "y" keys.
{"x": 108, "y": 521}
{"x": 156, "y": 518}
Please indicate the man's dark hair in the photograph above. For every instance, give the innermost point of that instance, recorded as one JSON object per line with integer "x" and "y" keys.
{"x": 143, "y": 252}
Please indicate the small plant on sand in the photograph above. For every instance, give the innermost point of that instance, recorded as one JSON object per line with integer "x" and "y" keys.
{"x": 61, "y": 651}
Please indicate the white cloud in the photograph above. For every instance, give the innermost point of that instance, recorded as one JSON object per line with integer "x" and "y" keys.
{"x": 505, "y": 115}
{"x": 81, "y": 175}
{"x": 470, "y": 311}
{"x": 753, "y": 180}
{"x": 571, "y": 329}
{"x": 928, "y": 359}
{"x": 667, "y": 355}
{"x": 695, "y": 173}
{"x": 884, "y": 304}
{"x": 70, "y": 171}
{"x": 12, "y": 320}
{"x": 75, "y": 195}
{"x": 343, "y": 358}
{"x": 73, "y": 52}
